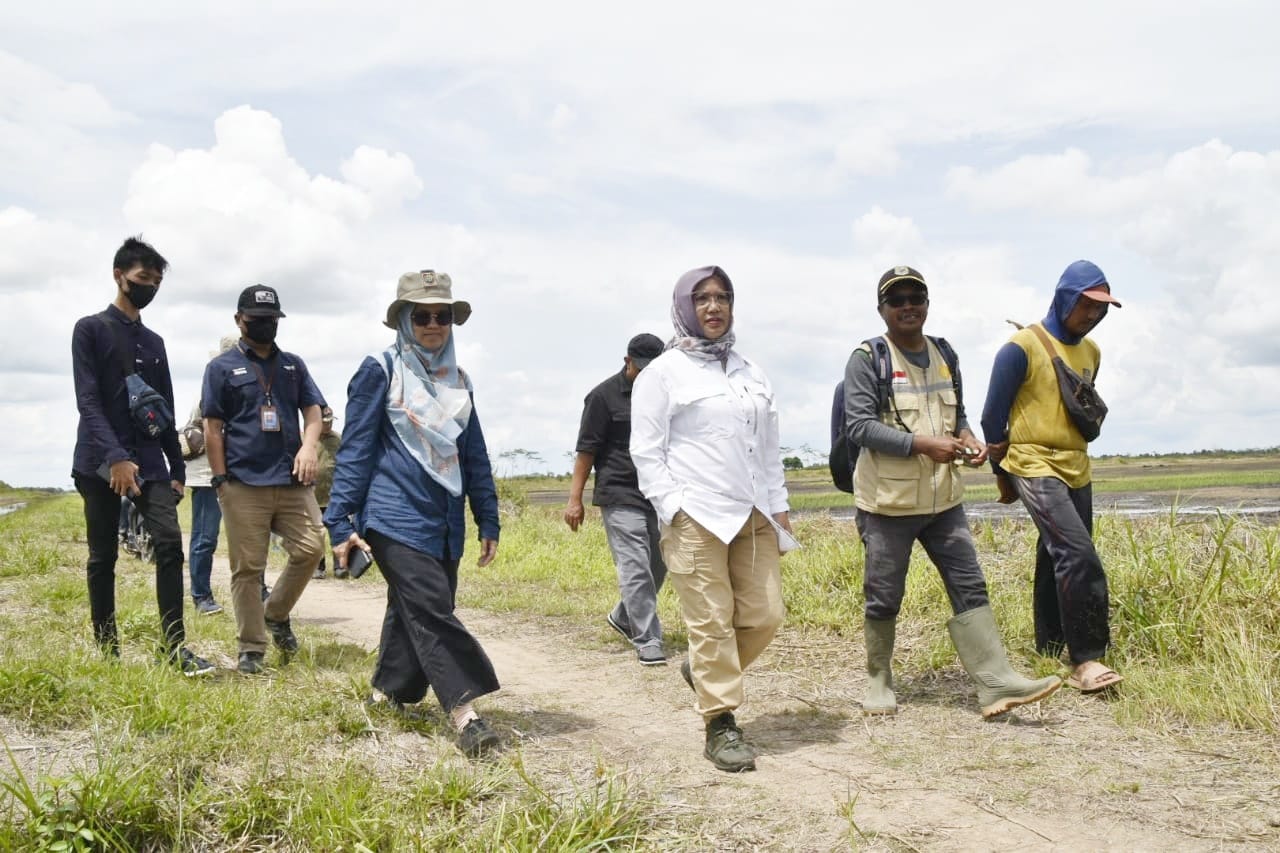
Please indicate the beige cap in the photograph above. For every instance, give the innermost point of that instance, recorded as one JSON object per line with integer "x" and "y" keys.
{"x": 427, "y": 287}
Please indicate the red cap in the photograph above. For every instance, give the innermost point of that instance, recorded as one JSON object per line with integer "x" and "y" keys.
{"x": 1101, "y": 294}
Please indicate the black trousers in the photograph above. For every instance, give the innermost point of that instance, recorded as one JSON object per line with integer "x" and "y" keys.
{"x": 1071, "y": 601}
{"x": 423, "y": 643}
{"x": 159, "y": 510}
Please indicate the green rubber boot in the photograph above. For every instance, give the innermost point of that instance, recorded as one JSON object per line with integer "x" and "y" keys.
{"x": 1000, "y": 689}
{"x": 880, "y": 700}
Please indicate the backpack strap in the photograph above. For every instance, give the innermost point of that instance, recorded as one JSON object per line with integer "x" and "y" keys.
{"x": 953, "y": 365}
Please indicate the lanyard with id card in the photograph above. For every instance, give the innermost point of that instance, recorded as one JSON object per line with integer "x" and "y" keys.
{"x": 268, "y": 415}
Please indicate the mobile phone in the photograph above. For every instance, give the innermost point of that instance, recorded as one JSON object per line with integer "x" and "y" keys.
{"x": 358, "y": 562}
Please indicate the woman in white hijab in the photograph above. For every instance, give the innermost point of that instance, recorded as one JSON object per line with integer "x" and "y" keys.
{"x": 412, "y": 453}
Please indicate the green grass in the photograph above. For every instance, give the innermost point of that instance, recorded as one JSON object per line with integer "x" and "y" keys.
{"x": 1195, "y": 603}
{"x": 291, "y": 761}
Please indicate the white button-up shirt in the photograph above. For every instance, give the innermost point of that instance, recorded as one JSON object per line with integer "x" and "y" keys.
{"x": 705, "y": 439}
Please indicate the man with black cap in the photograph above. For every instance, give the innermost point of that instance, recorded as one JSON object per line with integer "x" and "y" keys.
{"x": 263, "y": 468}
{"x": 904, "y": 411}
{"x": 630, "y": 522}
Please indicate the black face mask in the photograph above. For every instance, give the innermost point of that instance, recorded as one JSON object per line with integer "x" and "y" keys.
{"x": 141, "y": 294}
{"x": 261, "y": 330}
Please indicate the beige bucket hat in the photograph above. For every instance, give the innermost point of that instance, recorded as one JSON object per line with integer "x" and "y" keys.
{"x": 427, "y": 287}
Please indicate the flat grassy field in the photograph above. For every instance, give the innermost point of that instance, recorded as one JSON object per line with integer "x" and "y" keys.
{"x": 128, "y": 755}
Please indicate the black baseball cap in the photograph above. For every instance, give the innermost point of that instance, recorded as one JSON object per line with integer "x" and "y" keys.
{"x": 899, "y": 275}
{"x": 644, "y": 348}
{"x": 258, "y": 300}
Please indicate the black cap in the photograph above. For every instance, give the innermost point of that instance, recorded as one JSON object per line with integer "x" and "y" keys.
{"x": 899, "y": 275}
{"x": 258, "y": 300}
{"x": 644, "y": 348}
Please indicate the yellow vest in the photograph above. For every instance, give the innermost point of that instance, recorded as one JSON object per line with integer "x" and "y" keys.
{"x": 914, "y": 485}
{"x": 1043, "y": 441}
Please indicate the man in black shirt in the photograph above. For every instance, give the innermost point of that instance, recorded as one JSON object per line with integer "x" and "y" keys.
{"x": 115, "y": 459}
{"x": 630, "y": 522}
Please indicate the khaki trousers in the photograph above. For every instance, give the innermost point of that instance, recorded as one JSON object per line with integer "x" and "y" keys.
{"x": 731, "y": 601}
{"x": 251, "y": 514}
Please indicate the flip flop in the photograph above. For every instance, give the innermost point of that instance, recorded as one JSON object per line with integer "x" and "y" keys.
{"x": 1097, "y": 682}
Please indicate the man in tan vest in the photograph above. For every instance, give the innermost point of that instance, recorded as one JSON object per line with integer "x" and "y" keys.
{"x": 907, "y": 489}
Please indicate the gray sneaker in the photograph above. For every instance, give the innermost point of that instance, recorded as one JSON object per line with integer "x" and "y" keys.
{"x": 207, "y": 607}
{"x": 651, "y": 656}
{"x": 725, "y": 747}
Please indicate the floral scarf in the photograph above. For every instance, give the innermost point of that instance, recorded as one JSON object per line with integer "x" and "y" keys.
{"x": 428, "y": 402}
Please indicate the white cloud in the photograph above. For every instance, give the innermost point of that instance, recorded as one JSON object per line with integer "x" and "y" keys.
{"x": 385, "y": 176}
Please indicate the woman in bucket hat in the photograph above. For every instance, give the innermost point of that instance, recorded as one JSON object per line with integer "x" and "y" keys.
{"x": 412, "y": 453}
{"x": 704, "y": 440}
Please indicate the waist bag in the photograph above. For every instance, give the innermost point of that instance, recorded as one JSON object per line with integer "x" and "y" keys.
{"x": 149, "y": 411}
{"x": 1079, "y": 396}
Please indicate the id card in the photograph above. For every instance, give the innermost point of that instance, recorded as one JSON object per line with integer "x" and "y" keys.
{"x": 270, "y": 419}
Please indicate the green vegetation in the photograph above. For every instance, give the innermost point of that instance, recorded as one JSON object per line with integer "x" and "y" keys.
{"x": 1196, "y": 604}
{"x": 294, "y": 761}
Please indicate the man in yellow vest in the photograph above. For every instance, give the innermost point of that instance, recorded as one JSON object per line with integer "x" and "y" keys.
{"x": 907, "y": 489}
{"x": 1041, "y": 456}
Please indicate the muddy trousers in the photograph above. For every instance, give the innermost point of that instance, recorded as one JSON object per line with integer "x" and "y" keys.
{"x": 423, "y": 642}
{"x": 887, "y": 540}
{"x": 1070, "y": 597}
{"x": 730, "y": 598}
{"x": 159, "y": 509}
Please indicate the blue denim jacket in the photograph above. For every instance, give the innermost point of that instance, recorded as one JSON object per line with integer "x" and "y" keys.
{"x": 378, "y": 485}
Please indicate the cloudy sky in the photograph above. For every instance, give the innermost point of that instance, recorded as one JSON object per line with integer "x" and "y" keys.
{"x": 565, "y": 162}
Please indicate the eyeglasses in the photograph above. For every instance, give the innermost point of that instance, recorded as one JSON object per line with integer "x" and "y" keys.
{"x": 897, "y": 300}
{"x": 702, "y": 300}
{"x": 443, "y": 317}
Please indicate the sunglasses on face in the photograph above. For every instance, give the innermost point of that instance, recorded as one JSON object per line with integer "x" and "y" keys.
{"x": 897, "y": 300}
{"x": 443, "y": 317}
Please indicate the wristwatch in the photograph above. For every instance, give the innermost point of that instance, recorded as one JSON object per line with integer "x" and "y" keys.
{"x": 217, "y": 480}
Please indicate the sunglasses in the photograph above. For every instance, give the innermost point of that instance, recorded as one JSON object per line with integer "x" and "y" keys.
{"x": 443, "y": 317}
{"x": 897, "y": 300}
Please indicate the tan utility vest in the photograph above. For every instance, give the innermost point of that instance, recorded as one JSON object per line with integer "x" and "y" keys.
{"x": 926, "y": 402}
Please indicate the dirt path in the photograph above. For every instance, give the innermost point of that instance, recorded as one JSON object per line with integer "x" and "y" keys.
{"x": 936, "y": 777}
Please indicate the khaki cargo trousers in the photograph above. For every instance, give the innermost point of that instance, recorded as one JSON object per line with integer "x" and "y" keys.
{"x": 730, "y": 598}
{"x": 252, "y": 514}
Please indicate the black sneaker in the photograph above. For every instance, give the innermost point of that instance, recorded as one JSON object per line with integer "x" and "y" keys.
{"x": 250, "y": 663}
{"x": 282, "y": 635}
{"x": 190, "y": 664}
{"x": 477, "y": 738}
{"x": 619, "y": 624}
{"x": 266, "y": 592}
{"x": 686, "y": 672}
{"x": 340, "y": 573}
{"x": 725, "y": 747}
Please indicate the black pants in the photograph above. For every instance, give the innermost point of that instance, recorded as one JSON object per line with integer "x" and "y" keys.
{"x": 159, "y": 510}
{"x": 1070, "y": 598}
{"x": 423, "y": 643}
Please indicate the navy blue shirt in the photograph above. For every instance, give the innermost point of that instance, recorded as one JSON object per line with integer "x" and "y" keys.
{"x": 605, "y": 431}
{"x": 377, "y": 483}
{"x": 234, "y": 392}
{"x": 106, "y": 432}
